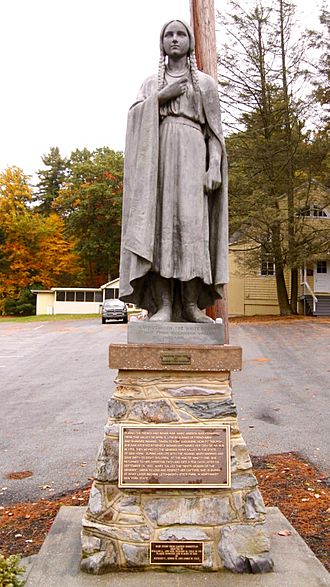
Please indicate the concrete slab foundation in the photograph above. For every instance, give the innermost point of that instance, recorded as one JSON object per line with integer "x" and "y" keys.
{"x": 58, "y": 562}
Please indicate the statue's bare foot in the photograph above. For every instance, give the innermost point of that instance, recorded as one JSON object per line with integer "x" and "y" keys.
{"x": 192, "y": 313}
{"x": 164, "y": 314}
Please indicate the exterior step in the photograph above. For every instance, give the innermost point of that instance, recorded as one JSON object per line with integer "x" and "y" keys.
{"x": 322, "y": 305}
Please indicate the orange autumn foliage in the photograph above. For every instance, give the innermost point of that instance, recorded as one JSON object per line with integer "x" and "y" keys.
{"x": 34, "y": 251}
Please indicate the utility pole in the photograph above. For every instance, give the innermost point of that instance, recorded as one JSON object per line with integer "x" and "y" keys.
{"x": 203, "y": 22}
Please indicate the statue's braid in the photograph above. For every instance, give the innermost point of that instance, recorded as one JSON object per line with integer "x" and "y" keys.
{"x": 161, "y": 71}
{"x": 194, "y": 71}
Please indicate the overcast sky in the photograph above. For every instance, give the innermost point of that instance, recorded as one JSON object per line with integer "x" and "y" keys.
{"x": 71, "y": 68}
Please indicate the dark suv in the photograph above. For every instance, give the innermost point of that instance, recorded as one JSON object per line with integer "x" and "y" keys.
{"x": 114, "y": 310}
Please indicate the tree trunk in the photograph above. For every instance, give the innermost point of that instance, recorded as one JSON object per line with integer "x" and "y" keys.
{"x": 282, "y": 292}
{"x": 203, "y": 22}
{"x": 294, "y": 289}
{"x": 289, "y": 166}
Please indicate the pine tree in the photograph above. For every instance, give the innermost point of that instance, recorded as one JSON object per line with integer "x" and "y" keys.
{"x": 258, "y": 72}
{"x": 50, "y": 180}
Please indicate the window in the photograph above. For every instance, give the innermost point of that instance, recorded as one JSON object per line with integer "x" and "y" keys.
{"x": 78, "y": 296}
{"x": 321, "y": 267}
{"x": 267, "y": 266}
{"x": 111, "y": 293}
{"x": 314, "y": 211}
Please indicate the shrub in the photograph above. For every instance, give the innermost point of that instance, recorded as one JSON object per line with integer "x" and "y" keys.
{"x": 9, "y": 571}
{"x": 22, "y": 305}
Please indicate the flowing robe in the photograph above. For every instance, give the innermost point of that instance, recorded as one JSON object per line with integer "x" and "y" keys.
{"x": 143, "y": 178}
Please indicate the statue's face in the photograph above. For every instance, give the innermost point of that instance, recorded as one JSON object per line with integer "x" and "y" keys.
{"x": 176, "y": 39}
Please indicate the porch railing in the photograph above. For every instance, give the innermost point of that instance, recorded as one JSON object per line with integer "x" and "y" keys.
{"x": 306, "y": 285}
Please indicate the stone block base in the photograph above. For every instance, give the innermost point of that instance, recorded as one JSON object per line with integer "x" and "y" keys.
{"x": 120, "y": 523}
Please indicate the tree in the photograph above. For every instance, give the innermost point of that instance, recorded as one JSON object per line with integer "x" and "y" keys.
{"x": 90, "y": 203}
{"x": 33, "y": 249}
{"x": 50, "y": 180}
{"x": 22, "y": 305}
{"x": 317, "y": 152}
{"x": 321, "y": 78}
{"x": 313, "y": 157}
{"x": 290, "y": 71}
{"x": 56, "y": 260}
{"x": 15, "y": 195}
{"x": 259, "y": 74}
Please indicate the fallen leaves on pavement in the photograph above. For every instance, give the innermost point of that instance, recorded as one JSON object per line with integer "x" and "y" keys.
{"x": 292, "y": 484}
{"x": 19, "y": 475}
{"x": 24, "y": 526}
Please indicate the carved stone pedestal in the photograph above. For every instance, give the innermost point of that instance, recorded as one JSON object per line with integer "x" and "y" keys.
{"x": 184, "y": 388}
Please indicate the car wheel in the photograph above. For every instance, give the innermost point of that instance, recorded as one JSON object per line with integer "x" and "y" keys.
{"x": 125, "y": 319}
{"x": 103, "y": 320}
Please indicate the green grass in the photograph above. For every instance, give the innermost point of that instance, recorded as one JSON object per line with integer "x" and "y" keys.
{"x": 45, "y": 318}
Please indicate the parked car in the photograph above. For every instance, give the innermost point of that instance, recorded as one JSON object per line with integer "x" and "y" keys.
{"x": 114, "y": 310}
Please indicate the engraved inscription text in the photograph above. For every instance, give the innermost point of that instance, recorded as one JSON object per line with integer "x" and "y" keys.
{"x": 176, "y": 553}
{"x": 164, "y": 456}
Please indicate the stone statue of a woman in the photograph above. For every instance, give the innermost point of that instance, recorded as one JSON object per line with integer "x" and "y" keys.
{"x": 174, "y": 233}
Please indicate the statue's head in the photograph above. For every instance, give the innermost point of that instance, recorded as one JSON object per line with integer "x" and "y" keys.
{"x": 180, "y": 30}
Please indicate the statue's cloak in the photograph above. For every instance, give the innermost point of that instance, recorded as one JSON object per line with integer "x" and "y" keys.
{"x": 140, "y": 197}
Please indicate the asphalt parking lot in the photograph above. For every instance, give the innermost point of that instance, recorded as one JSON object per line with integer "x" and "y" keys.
{"x": 283, "y": 391}
{"x": 55, "y": 383}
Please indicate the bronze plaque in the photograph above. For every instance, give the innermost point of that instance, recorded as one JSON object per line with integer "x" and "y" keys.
{"x": 175, "y": 358}
{"x": 174, "y": 456}
{"x": 176, "y": 553}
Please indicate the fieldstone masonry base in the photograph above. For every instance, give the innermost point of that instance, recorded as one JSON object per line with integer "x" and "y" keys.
{"x": 120, "y": 523}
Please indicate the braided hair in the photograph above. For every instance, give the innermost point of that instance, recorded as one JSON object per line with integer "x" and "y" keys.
{"x": 192, "y": 64}
{"x": 161, "y": 70}
{"x": 194, "y": 71}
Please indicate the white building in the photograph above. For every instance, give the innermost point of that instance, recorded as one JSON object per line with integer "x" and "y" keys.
{"x": 75, "y": 300}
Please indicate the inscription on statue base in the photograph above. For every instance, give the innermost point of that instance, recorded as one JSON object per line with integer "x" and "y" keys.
{"x": 176, "y": 553}
{"x": 174, "y": 456}
{"x": 187, "y": 333}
